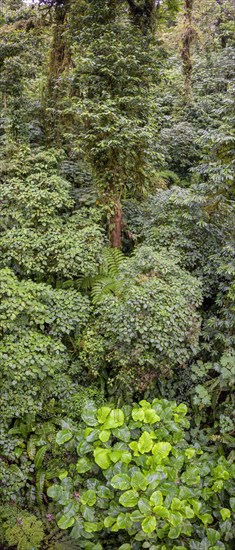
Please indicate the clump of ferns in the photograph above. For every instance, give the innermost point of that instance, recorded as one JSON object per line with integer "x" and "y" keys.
{"x": 108, "y": 280}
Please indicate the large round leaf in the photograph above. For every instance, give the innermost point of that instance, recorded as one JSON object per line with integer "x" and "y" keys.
{"x": 65, "y": 522}
{"x": 89, "y": 497}
{"x": 129, "y": 499}
{"x": 156, "y": 498}
{"x": 161, "y": 450}
{"x": 55, "y": 492}
{"x": 114, "y": 420}
{"x": 138, "y": 481}
{"x": 121, "y": 482}
{"x": 102, "y": 458}
{"x": 63, "y": 436}
{"x": 145, "y": 443}
{"x": 83, "y": 465}
{"x": 149, "y": 524}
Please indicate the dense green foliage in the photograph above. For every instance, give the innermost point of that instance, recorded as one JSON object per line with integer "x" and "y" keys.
{"x": 149, "y": 484}
{"x": 117, "y": 274}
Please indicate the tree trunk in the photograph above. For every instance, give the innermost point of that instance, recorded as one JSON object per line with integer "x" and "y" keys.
{"x": 58, "y": 61}
{"x": 187, "y": 40}
{"x": 115, "y": 226}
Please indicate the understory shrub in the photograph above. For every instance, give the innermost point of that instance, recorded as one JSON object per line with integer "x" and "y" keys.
{"x": 137, "y": 482}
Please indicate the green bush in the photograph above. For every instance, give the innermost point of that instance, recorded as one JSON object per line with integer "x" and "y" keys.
{"x": 150, "y": 328}
{"x": 20, "y": 530}
{"x": 139, "y": 483}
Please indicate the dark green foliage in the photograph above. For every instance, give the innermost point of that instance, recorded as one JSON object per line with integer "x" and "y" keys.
{"x": 42, "y": 235}
{"x": 106, "y": 139}
{"x": 149, "y": 327}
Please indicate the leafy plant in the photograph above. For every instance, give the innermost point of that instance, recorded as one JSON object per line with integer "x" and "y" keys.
{"x": 26, "y": 533}
{"x": 107, "y": 282}
{"x": 214, "y": 387}
{"x": 137, "y": 477}
{"x": 127, "y": 330}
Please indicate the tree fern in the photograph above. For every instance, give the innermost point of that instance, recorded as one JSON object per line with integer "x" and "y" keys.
{"x": 113, "y": 258}
{"x": 106, "y": 281}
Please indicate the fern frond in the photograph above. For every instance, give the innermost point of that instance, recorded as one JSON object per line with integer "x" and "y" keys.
{"x": 31, "y": 447}
{"x": 85, "y": 283}
{"x": 113, "y": 258}
{"x": 104, "y": 288}
{"x": 40, "y": 481}
{"x": 166, "y": 177}
{"x": 40, "y": 457}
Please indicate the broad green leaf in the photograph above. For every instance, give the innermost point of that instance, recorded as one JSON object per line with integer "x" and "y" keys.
{"x": 122, "y": 521}
{"x": 161, "y": 511}
{"x": 115, "y": 455}
{"x": 161, "y": 450}
{"x": 145, "y": 443}
{"x": 182, "y": 409}
{"x": 83, "y": 465}
{"x": 54, "y": 491}
{"x": 213, "y": 536}
{"x": 175, "y": 518}
{"x": 126, "y": 457}
{"x": 176, "y": 504}
{"x": 225, "y": 513}
{"x": 63, "y": 436}
{"x": 232, "y": 503}
{"x": 102, "y": 458}
{"x": 125, "y": 546}
{"x": 149, "y": 524}
{"x": 65, "y": 522}
{"x": 77, "y": 528}
{"x": 109, "y": 521}
{"x": 90, "y": 527}
{"x": 91, "y": 434}
{"x": 137, "y": 414}
{"x": 220, "y": 472}
{"x": 89, "y": 414}
{"x": 102, "y": 414}
{"x": 138, "y": 481}
{"x": 121, "y": 482}
{"x": 174, "y": 532}
{"x": 188, "y": 512}
{"x": 206, "y": 518}
{"x": 62, "y": 474}
{"x": 122, "y": 433}
{"x": 114, "y": 420}
{"x": 136, "y": 516}
{"x": 134, "y": 447}
{"x": 190, "y": 453}
{"x": 104, "y": 492}
{"x": 104, "y": 435}
{"x": 144, "y": 506}
{"x": 88, "y": 512}
{"x": 145, "y": 404}
{"x": 191, "y": 476}
{"x": 196, "y": 504}
{"x": 89, "y": 497}
{"x": 156, "y": 498}
{"x": 150, "y": 416}
{"x": 129, "y": 499}
{"x": 84, "y": 447}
